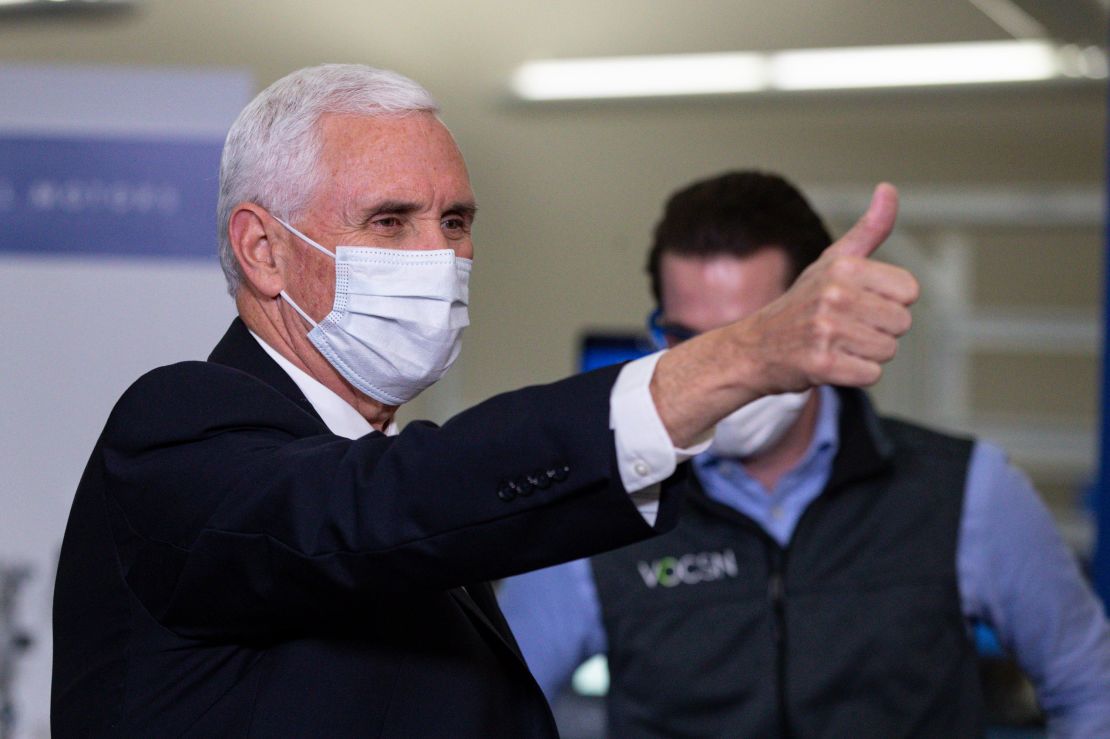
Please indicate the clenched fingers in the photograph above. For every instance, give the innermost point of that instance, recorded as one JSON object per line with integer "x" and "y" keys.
{"x": 887, "y": 316}
{"x": 853, "y": 273}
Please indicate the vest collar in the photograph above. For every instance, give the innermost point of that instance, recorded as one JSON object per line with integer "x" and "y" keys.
{"x": 865, "y": 449}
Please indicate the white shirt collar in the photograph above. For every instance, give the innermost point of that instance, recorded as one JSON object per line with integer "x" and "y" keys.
{"x": 339, "y": 416}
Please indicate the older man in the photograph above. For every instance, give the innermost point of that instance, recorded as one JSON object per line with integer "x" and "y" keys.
{"x": 824, "y": 579}
{"x": 254, "y": 551}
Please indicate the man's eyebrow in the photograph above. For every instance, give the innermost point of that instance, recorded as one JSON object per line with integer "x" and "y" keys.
{"x": 468, "y": 209}
{"x": 400, "y": 207}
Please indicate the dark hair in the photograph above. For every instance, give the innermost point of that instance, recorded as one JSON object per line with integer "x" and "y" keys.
{"x": 738, "y": 213}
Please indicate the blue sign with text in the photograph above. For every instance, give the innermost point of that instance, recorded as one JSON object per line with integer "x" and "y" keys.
{"x": 99, "y": 196}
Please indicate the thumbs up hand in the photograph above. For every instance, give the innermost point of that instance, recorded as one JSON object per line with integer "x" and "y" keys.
{"x": 840, "y": 321}
{"x": 837, "y": 324}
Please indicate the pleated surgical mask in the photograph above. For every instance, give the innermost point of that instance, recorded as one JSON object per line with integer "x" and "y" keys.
{"x": 397, "y": 320}
{"x": 757, "y": 426}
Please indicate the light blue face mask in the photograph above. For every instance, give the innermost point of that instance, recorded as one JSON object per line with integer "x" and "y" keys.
{"x": 396, "y": 324}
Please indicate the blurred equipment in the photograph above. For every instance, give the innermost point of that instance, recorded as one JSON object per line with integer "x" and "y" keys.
{"x": 13, "y": 641}
{"x": 603, "y": 348}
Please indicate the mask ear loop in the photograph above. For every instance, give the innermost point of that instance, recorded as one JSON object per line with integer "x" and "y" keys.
{"x": 303, "y": 238}
{"x": 313, "y": 244}
{"x": 285, "y": 296}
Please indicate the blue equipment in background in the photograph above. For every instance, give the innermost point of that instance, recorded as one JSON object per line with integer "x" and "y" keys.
{"x": 1100, "y": 563}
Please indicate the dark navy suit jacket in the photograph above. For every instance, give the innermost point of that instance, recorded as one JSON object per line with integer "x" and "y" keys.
{"x": 231, "y": 568}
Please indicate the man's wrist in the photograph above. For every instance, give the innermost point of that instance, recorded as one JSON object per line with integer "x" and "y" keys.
{"x": 646, "y": 453}
{"x": 703, "y": 380}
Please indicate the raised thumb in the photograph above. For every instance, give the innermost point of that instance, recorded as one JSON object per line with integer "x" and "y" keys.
{"x": 873, "y": 227}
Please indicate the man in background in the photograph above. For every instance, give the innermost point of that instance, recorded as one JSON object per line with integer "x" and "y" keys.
{"x": 826, "y": 571}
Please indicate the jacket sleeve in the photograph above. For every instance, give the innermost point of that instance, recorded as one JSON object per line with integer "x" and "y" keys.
{"x": 235, "y": 512}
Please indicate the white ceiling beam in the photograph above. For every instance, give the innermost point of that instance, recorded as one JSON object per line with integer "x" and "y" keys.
{"x": 1081, "y": 22}
{"x": 1050, "y": 205}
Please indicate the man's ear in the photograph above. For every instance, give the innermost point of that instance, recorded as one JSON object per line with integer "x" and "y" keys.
{"x": 251, "y": 241}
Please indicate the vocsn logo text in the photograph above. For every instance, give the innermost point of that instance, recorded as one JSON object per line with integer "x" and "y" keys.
{"x": 689, "y": 569}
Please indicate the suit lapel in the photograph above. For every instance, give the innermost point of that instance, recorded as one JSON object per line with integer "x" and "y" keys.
{"x": 240, "y": 350}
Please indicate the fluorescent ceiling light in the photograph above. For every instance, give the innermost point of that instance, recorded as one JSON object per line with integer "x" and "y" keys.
{"x": 805, "y": 69}
{"x": 912, "y": 66}
{"x": 613, "y": 77}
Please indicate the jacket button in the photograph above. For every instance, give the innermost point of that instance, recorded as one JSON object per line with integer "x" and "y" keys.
{"x": 506, "y": 492}
{"x": 558, "y": 474}
{"x": 539, "y": 480}
{"x": 523, "y": 486}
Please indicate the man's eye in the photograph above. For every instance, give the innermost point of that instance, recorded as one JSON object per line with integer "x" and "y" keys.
{"x": 455, "y": 224}
{"x": 388, "y": 222}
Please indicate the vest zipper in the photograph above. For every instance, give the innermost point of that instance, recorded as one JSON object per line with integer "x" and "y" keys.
{"x": 776, "y": 596}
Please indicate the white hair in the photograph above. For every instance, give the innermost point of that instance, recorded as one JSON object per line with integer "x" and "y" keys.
{"x": 271, "y": 152}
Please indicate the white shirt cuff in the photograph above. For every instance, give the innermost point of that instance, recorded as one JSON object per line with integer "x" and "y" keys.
{"x": 645, "y": 453}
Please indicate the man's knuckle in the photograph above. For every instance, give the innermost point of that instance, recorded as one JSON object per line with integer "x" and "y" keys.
{"x": 844, "y": 268}
{"x": 824, "y": 329}
{"x": 905, "y": 322}
{"x": 823, "y": 364}
{"x": 888, "y": 350}
{"x": 910, "y": 288}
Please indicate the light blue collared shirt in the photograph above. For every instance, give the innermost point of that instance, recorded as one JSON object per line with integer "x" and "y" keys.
{"x": 777, "y": 511}
{"x": 1015, "y": 573}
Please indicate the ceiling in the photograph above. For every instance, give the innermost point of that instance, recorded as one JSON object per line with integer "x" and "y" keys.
{"x": 476, "y": 45}
{"x": 568, "y": 194}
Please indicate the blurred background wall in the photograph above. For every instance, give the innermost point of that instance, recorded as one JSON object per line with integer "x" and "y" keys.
{"x": 1003, "y": 202}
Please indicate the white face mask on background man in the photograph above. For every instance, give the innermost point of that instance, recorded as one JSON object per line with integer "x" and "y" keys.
{"x": 757, "y": 426}
{"x": 397, "y": 320}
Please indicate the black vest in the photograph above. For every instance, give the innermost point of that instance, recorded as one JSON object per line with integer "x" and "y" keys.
{"x": 855, "y": 630}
